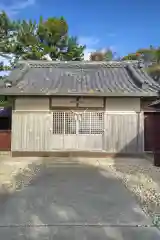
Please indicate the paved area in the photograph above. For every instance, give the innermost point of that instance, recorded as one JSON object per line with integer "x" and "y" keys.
{"x": 72, "y": 201}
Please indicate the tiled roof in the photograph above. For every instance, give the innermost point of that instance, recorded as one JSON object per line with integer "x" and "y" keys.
{"x": 155, "y": 104}
{"x": 80, "y": 78}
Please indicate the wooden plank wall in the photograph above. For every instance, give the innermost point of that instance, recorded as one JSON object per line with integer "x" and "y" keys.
{"x": 32, "y": 131}
{"x": 124, "y": 132}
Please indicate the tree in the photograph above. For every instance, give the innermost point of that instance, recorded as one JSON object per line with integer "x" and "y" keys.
{"x": 106, "y": 55}
{"x": 151, "y": 59}
{"x": 7, "y": 33}
{"x": 74, "y": 51}
{"x": 157, "y": 55}
{"x": 97, "y": 56}
{"x": 4, "y": 30}
{"x": 47, "y": 37}
{"x": 52, "y": 35}
{"x": 130, "y": 57}
{"x": 26, "y": 44}
{"x": 109, "y": 55}
{"x": 148, "y": 55}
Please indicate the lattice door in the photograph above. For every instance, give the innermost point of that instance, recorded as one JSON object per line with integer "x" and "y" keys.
{"x": 78, "y": 130}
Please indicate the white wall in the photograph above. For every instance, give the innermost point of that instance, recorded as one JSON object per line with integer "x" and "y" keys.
{"x": 28, "y": 103}
{"x": 111, "y": 104}
{"x": 122, "y": 104}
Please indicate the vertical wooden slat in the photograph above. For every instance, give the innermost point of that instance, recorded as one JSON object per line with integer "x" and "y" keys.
{"x": 141, "y": 132}
{"x": 123, "y": 132}
{"x": 31, "y": 131}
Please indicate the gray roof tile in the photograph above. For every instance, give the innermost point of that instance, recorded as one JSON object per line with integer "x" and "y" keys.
{"x": 155, "y": 104}
{"x": 80, "y": 78}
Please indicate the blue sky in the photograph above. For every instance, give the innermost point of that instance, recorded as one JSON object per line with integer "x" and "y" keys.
{"x": 121, "y": 25}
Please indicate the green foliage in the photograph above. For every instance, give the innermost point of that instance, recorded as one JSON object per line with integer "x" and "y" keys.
{"x": 53, "y": 31}
{"x": 151, "y": 58}
{"x": 31, "y": 40}
{"x": 157, "y": 55}
{"x": 5, "y": 101}
{"x": 131, "y": 56}
{"x": 74, "y": 51}
{"x": 150, "y": 54}
{"x": 7, "y": 33}
{"x": 109, "y": 55}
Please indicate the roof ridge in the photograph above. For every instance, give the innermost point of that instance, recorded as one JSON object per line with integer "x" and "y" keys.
{"x": 146, "y": 78}
{"x": 85, "y": 61}
{"x": 45, "y": 63}
{"x": 149, "y": 78}
{"x": 141, "y": 77}
{"x": 22, "y": 72}
{"x": 136, "y": 77}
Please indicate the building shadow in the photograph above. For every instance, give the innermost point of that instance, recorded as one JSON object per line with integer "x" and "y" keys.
{"x": 58, "y": 200}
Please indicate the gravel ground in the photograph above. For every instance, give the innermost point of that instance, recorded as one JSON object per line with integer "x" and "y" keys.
{"x": 10, "y": 168}
{"x": 138, "y": 175}
{"x": 142, "y": 179}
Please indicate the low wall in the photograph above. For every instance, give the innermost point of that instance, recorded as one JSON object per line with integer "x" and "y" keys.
{"x": 5, "y": 140}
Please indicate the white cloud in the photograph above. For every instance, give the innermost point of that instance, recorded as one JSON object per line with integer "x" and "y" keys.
{"x": 16, "y": 6}
{"x": 87, "y": 53}
{"x": 91, "y": 45}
